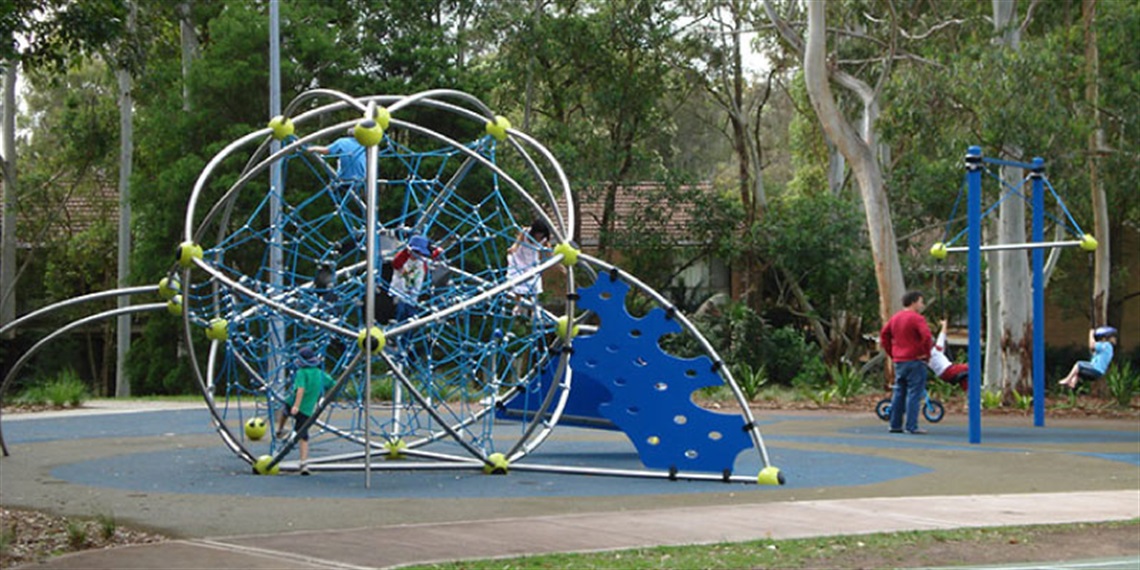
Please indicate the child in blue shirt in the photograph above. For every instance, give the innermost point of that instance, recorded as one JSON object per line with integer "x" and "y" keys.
{"x": 1101, "y": 341}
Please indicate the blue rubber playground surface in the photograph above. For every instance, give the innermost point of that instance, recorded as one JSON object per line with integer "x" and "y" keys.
{"x": 859, "y": 456}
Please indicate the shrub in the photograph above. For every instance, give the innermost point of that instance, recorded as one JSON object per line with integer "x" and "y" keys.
{"x": 786, "y": 354}
{"x": 1123, "y": 383}
{"x": 66, "y": 389}
{"x": 847, "y": 380}
{"x": 991, "y": 399}
{"x": 750, "y": 379}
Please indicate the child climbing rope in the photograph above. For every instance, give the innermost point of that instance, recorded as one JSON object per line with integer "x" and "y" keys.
{"x": 1101, "y": 342}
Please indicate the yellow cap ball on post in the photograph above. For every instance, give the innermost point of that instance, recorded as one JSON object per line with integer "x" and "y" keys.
{"x": 568, "y": 252}
{"x": 498, "y": 128}
{"x": 368, "y": 132}
{"x": 1088, "y": 242}
{"x": 938, "y": 251}
{"x": 282, "y": 127}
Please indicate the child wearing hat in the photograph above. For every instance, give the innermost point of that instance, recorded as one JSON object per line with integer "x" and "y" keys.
{"x": 308, "y": 383}
{"x": 409, "y": 268}
{"x": 1101, "y": 341}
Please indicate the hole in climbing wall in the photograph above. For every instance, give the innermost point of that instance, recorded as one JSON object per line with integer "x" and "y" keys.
{"x": 591, "y": 363}
{"x": 660, "y": 386}
{"x": 632, "y": 410}
{"x": 691, "y": 454}
{"x": 680, "y": 420}
{"x": 605, "y": 295}
{"x": 612, "y": 348}
{"x": 635, "y": 333}
{"x": 640, "y": 361}
{"x": 691, "y": 373}
{"x": 715, "y": 435}
{"x": 619, "y": 381}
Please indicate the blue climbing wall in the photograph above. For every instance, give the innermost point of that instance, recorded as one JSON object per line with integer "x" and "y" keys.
{"x": 622, "y": 375}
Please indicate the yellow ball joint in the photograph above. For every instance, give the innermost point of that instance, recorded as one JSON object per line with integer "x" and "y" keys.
{"x": 376, "y": 340}
{"x": 174, "y": 306}
{"x": 370, "y": 131}
{"x": 218, "y": 329}
{"x": 568, "y": 252}
{"x": 188, "y": 251}
{"x": 395, "y": 448}
{"x": 770, "y": 476}
{"x": 498, "y": 128}
{"x": 562, "y": 327}
{"x": 169, "y": 286}
{"x": 938, "y": 251}
{"x": 496, "y": 464}
{"x": 262, "y": 466}
{"x": 282, "y": 127}
{"x": 1088, "y": 242}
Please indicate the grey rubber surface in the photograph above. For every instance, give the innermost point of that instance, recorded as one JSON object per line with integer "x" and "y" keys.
{"x": 162, "y": 467}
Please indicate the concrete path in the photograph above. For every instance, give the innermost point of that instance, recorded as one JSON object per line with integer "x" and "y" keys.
{"x": 1071, "y": 471}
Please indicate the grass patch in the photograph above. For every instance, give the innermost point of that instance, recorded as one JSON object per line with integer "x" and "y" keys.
{"x": 871, "y": 550}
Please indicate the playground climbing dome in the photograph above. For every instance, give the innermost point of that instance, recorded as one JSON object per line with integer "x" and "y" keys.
{"x": 278, "y": 253}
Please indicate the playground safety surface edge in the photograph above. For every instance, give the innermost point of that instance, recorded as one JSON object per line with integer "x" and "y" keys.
{"x": 1071, "y": 470}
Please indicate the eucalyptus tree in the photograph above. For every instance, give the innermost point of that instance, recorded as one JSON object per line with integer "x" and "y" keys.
{"x": 600, "y": 78}
{"x": 40, "y": 34}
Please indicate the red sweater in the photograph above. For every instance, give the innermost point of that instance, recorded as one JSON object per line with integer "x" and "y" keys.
{"x": 906, "y": 337}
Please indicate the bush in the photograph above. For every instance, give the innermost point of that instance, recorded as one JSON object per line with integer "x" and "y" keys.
{"x": 750, "y": 379}
{"x": 66, "y": 389}
{"x": 786, "y": 354}
{"x": 1123, "y": 383}
{"x": 847, "y": 381}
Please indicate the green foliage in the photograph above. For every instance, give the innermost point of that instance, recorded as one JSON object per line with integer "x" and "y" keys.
{"x": 1022, "y": 401}
{"x": 107, "y": 525}
{"x": 991, "y": 399}
{"x": 790, "y": 358}
{"x": 749, "y": 379}
{"x": 940, "y": 389}
{"x": 1123, "y": 383}
{"x": 847, "y": 381}
{"x": 76, "y": 535}
{"x": 66, "y": 389}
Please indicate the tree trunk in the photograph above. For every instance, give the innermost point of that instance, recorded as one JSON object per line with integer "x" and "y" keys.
{"x": 1101, "y": 230}
{"x": 126, "y": 156}
{"x": 8, "y": 225}
{"x": 1013, "y": 332}
{"x": 190, "y": 44}
{"x": 1014, "y": 299}
{"x": 861, "y": 156}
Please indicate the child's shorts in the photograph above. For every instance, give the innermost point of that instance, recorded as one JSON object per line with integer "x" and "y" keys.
{"x": 299, "y": 419}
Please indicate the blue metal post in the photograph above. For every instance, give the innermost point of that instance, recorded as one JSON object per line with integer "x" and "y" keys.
{"x": 1038, "y": 177}
{"x": 974, "y": 288}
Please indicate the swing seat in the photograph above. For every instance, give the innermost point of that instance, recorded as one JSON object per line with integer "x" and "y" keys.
{"x": 1088, "y": 372}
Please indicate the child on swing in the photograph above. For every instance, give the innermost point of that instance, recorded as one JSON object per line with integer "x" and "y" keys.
{"x": 938, "y": 362}
{"x": 1101, "y": 342}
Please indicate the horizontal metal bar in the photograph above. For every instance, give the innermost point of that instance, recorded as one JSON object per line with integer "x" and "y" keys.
{"x": 1009, "y": 246}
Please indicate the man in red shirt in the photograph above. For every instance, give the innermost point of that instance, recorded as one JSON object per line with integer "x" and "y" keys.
{"x": 906, "y": 339}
